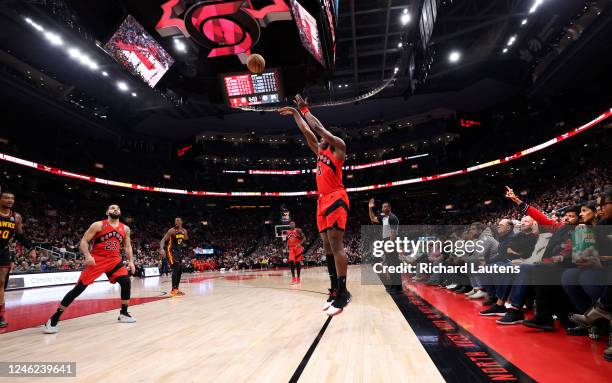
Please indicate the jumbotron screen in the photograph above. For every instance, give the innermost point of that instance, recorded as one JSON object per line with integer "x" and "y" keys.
{"x": 309, "y": 31}
{"x": 248, "y": 89}
{"x": 139, "y": 52}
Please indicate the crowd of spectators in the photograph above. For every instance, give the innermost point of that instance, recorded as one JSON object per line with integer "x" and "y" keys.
{"x": 560, "y": 241}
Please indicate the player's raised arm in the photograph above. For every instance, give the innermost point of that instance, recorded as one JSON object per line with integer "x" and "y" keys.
{"x": 371, "y": 205}
{"x": 310, "y": 137}
{"x": 317, "y": 126}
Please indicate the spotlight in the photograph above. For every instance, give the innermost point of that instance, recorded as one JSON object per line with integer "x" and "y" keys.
{"x": 105, "y": 74}
{"x": 74, "y": 53}
{"x": 535, "y": 5}
{"x": 134, "y": 94}
{"x": 505, "y": 50}
{"x": 180, "y": 46}
{"x": 524, "y": 22}
{"x": 396, "y": 69}
{"x": 511, "y": 40}
{"x": 454, "y": 57}
{"x": 54, "y": 39}
{"x": 122, "y": 86}
{"x": 405, "y": 18}
{"x": 400, "y": 44}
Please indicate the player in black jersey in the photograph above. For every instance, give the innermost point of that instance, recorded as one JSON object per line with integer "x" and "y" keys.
{"x": 175, "y": 250}
{"x": 10, "y": 227}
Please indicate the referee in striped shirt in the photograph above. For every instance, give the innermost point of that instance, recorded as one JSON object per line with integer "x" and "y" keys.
{"x": 390, "y": 223}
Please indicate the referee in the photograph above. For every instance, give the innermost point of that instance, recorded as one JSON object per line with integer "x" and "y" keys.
{"x": 390, "y": 223}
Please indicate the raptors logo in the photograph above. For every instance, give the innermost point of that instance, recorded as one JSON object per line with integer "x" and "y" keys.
{"x": 225, "y": 27}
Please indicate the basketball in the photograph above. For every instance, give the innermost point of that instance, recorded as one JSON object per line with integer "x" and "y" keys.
{"x": 256, "y": 63}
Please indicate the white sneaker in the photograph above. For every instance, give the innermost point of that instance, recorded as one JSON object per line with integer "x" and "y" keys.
{"x": 452, "y": 286}
{"x": 126, "y": 318}
{"x": 471, "y": 292}
{"x": 50, "y": 329}
{"x": 478, "y": 295}
{"x": 330, "y": 299}
{"x": 333, "y": 310}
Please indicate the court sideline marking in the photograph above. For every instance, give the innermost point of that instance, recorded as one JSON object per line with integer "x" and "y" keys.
{"x": 300, "y": 368}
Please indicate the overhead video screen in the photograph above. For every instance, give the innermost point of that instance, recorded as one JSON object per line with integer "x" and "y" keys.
{"x": 309, "y": 32}
{"x": 139, "y": 52}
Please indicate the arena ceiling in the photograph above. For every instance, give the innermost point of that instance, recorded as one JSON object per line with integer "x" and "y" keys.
{"x": 498, "y": 55}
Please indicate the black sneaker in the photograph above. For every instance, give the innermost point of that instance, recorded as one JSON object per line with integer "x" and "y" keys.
{"x": 3, "y": 322}
{"x": 341, "y": 301}
{"x": 513, "y": 316}
{"x": 577, "y": 331}
{"x": 464, "y": 289}
{"x": 490, "y": 301}
{"x": 542, "y": 323}
{"x": 494, "y": 310}
{"x": 333, "y": 293}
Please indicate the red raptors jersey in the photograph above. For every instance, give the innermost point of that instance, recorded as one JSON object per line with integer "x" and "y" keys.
{"x": 329, "y": 172}
{"x": 107, "y": 243}
{"x": 293, "y": 238}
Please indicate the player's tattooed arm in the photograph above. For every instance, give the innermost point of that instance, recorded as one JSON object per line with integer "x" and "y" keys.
{"x": 310, "y": 137}
{"x": 128, "y": 250}
{"x": 87, "y": 237}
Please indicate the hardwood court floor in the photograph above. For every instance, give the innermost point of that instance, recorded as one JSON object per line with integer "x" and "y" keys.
{"x": 232, "y": 327}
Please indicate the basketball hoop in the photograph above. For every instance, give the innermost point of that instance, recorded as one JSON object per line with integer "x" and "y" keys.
{"x": 280, "y": 231}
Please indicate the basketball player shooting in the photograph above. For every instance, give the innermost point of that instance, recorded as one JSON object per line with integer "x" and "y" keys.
{"x": 11, "y": 226}
{"x": 295, "y": 240}
{"x": 175, "y": 251}
{"x": 333, "y": 203}
{"x": 108, "y": 237}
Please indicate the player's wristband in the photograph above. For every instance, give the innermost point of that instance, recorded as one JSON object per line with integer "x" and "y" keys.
{"x": 304, "y": 110}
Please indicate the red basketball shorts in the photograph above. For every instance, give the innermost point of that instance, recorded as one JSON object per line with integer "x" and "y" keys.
{"x": 332, "y": 211}
{"x": 112, "y": 267}
{"x": 296, "y": 254}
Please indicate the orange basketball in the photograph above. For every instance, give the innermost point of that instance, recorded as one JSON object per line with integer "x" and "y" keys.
{"x": 256, "y": 63}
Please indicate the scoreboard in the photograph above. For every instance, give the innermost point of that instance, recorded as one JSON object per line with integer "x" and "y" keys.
{"x": 248, "y": 89}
